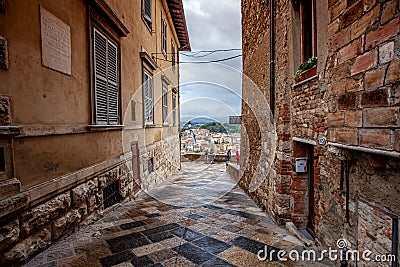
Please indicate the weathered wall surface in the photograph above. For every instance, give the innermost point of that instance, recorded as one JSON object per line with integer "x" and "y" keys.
{"x": 28, "y": 229}
{"x": 352, "y": 101}
{"x": 57, "y": 164}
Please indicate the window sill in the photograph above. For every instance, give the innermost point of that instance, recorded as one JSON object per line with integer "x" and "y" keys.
{"x": 101, "y": 128}
{"x": 9, "y": 130}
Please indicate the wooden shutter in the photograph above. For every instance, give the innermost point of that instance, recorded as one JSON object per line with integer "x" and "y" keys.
{"x": 165, "y": 104}
{"x": 148, "y": 98}
{"x": 174, "y": 108}
{"x": 112, "y": 79}
{"x": 147, "y": 10}
{"x": 106, "y": 80}
{"x": 100, "y": 80}
{"x": 173, "y": 55}
{"x": 164, "y": 35}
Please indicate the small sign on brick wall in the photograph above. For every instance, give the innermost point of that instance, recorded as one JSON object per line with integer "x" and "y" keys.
{"x": 3, "y": 53}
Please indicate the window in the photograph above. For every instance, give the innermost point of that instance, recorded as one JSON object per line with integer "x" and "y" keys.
{"x": 147, "y": 12}
{"x": 308, "y": 29}
{"x": 148, "y": 98}
{"x": 164, "y": 36}
{"x": 106, "y": 79}
{"x": 173, "y": 55}
{"x": 165, "y": 104}
{"x": 174, "y": 108}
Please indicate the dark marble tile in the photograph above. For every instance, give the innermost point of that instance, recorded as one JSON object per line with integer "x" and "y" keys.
{"x": 212, "y": 207}
{"x": 247, "y": 244}
{"x": 187, "y": 234}
{"x": 160, "y": 229}
{"x": 142, "y": 261}
{"x": 117, "y": 258}
{"x": 195, "y": 216}
{"x": 217, "y": 262}
{"x": 121, "y": 243}
{"x": 160, "y": 236}
{"x": 153, "y": 215}
{"x": 255, "y": 246}
{"x": 193, "y": 253}
{"x": 131, "y": 225}
{"x": 211, "y": 245}
{"x": 157, "y": 265}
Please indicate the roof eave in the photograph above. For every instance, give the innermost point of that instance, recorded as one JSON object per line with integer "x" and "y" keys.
{"x": 178, "y": 17}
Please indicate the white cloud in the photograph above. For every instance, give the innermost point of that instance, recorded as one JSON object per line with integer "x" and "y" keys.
{"x": 212, "y": 25}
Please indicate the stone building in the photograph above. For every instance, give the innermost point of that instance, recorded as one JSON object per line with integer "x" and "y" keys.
{"x": 78, "y": 131}
{"x": 342, "y": 116}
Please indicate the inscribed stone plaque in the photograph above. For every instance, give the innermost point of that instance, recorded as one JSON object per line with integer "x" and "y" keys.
{"x": 56, "y": 42}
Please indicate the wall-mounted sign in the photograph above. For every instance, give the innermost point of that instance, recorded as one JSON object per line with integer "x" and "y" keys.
{"x": 56, "y": 42}
{"x": 235, "y": 119}
{"x": 322, "y": 140}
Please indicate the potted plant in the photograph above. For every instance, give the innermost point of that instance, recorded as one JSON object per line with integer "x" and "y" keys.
{"x": 306, "y": 70}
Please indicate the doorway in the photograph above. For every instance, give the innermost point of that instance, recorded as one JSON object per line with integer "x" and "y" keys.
{"x": 311, "y": 191}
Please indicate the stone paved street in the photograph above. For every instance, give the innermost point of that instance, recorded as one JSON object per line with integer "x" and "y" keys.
{"x": 197, "y": 218}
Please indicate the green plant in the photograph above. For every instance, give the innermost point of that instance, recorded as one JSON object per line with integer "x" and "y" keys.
{"x": 306, "y": 65}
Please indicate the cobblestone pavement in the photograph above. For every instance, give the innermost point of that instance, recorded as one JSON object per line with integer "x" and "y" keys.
{"x": 197, "y": 218}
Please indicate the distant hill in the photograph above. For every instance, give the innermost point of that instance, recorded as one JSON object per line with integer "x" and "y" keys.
{"x": 199, "y": 120}
{"x": 212, "y": 125}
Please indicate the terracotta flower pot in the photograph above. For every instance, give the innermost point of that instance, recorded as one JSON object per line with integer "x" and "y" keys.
{"x": 307, "y": 74}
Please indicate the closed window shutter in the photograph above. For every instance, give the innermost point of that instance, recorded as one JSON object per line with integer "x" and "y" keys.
{"x": 173, "y": 56}
{"x": 147, "y": 10}
{"x": 165, "y": 105}
{"x": 106, "y": 80}
{"x": 164, "y": 35}
{"x": 100, "y": 70}
{"x": 148, "y": 98}
{"x": 113, "y": 94}
{"x": 174, "y": 108}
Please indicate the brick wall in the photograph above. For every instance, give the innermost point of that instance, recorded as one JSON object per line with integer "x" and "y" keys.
{"x": 354, "y": 101}
{"x": 363, "y": 73}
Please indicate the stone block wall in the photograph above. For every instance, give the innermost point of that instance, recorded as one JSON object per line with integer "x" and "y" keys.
{"x": 166, "y": 159}
{"x": 363, "y": 73}
{"x": 353, "y": 102}
{"x": 28, "y": 228}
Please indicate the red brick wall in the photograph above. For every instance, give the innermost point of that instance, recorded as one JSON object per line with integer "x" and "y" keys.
{"x": 363, "y": 73}
{"x": 354, "y": 100}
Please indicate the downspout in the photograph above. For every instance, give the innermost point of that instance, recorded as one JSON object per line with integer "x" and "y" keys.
{"x": 272, "y": 59}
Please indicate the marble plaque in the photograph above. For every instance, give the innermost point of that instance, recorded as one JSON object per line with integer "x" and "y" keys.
{"x": 56, "y": 42}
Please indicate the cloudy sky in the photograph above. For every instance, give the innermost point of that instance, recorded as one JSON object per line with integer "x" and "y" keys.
{"x": 211, "y": 90}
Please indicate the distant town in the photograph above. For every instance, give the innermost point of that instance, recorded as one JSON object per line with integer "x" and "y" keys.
{"x": 210, "y": 138}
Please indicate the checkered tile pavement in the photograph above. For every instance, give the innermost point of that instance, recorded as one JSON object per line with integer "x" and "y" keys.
{"x": 229, "y": 231}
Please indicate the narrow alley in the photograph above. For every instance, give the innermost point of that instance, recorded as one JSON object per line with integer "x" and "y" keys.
{"x": 217, "y": 225}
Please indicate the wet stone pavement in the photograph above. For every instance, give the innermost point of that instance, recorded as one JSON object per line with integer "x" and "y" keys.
{"x": 197, "y": 218}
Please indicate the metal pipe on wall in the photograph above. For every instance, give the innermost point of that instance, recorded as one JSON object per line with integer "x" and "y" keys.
{"x": 272, "y": 58}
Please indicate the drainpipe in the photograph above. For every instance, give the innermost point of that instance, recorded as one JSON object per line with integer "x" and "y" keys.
{"x": 272, "y": 58}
